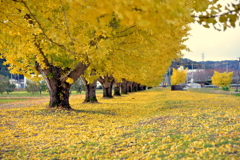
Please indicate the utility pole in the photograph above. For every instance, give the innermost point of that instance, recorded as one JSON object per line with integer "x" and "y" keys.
{"x": 227, "y": 67}
{"x": 238, "y": 74}
{"x": 203, "y": 61}
{"x": 192, "y": 74}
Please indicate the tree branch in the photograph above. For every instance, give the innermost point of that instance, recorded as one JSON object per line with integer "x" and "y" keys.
{"x": 215, "y": 16}
{"x": 126, "y": 29}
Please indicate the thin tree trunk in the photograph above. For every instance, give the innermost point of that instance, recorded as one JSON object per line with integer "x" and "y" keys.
{"x": 124, "y": 89}
{"x": 107, "y": 83}
{"x": 90, "y": 89}
{"x": 117, "y": 89}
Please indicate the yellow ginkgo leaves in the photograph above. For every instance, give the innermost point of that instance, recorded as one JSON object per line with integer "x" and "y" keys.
{"x": 179, "y": 76}
{"x": 155, "y": 124}
{"x": 222, "y": 79}
{"x": 70, "y": 80}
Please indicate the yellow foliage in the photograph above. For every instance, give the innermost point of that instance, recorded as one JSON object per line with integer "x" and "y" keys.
{"x": 178, "y": 76}
{"x": 70, "y": 80}
{"x": 144, "y": 125}
{"x": 68, "y": 32}
{"x": 222, "y": 79}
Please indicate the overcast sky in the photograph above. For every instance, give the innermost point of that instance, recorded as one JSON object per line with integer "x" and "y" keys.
{"x": 215, "y": 45}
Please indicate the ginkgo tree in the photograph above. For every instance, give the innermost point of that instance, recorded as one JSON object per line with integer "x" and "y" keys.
{"x": 60, "y": 39}
{"x": 222, "y": 80}
{"x": 179, "y": 76}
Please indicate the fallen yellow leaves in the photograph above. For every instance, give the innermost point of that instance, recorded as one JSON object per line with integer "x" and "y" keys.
{"x": 155, "y": 124}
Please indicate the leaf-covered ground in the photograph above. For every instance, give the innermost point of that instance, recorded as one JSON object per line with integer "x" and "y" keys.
{"x": 154, "y": 124}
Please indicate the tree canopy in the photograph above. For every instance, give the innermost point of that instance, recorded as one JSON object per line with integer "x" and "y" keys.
{"x": 179, "y": 76}
{"x": 222, "y": 79}
{"x": 133, "y": 39}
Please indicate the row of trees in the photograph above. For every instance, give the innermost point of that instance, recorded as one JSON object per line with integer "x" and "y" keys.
{"x": 113, "y": 41}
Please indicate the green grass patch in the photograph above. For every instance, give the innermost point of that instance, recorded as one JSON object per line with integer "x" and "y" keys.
{"x": 10, "y": 100}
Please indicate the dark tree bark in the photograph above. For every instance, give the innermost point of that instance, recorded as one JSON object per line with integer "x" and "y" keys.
{"x": 90, "y": 88}
{"x": 117, "y": 89}
{"x": 135, "y": 87}
{"x": 107, "y": 83}
{"x": 139, "y": 87}
{"x": 124, "y": 89}
{"x": 57, "y": 85}
{"x": 55, "y": 78}
{"x": 130, "y": 87}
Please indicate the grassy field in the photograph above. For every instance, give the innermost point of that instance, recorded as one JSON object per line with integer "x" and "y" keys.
{"x": 214, "y": 91}
{"x": 37, "y": 94}
{"x": 26, "y": 94}
{"x": 154, "y": 124}
{"x": 11, "y": 100}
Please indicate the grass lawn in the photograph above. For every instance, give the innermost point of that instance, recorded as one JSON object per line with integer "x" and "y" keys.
{"x": 37, "y": 94}
{"x": 213, "y": 90}
{"x": 10, "y": 100}
{"x": 153, "y": 124}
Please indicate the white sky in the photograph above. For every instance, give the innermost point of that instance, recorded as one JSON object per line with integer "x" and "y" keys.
{"x": 216, "y": 45}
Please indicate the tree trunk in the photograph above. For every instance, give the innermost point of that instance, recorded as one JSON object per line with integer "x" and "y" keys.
{"x": 59, "y": 93}
{"x": 90, "y": 89}
{"x": 139, "y": 87}
{"x": 107, "y": 92}
{"x": 58, "y": 80}
{"x": 57, "y": 84}
{"x": 135, "y": 87}
{"x": 117, "y": 89}
{"x": 129, "y": 86}
{"x": 107, "y": 83}
{"x": 124, "y": 89}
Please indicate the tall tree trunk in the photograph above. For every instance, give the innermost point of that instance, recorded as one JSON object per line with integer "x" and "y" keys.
{"x": 130, "y": 87}
{"x": 117, "y": 89}
{"x": 107, "y": 83}
{"x": 124, "y": 89}
{"x": 90, "y": 89}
